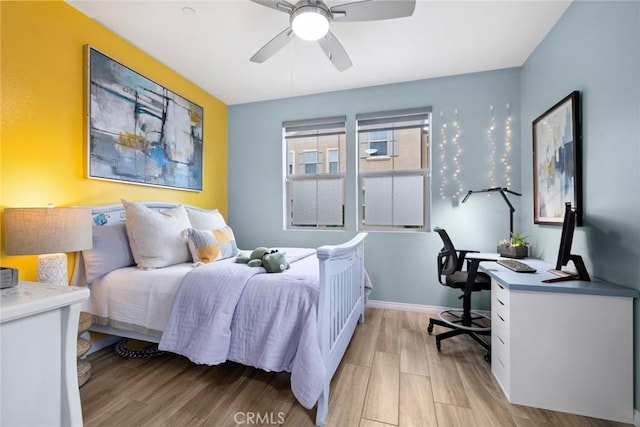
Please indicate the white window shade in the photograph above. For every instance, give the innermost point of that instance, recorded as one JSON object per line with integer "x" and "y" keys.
{"x": 305, "y": 203}
{"x": 408, "y": 200}
{"x": 330, "y": 201}
{"x": 377, "y": 199}
{"x": 391, "y": 201}
{"x": 317, "y": 202}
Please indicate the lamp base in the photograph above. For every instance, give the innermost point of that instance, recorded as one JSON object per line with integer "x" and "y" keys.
{"x": 52, "y": 268}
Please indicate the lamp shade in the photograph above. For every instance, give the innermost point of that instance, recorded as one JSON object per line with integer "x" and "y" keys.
{"x": 36, "y": 231}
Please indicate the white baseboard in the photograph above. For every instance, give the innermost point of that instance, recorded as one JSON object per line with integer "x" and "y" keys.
{"x": 401, "y": 306}
{"x": 419, "y": 308}
{"x": 636, "y": 418}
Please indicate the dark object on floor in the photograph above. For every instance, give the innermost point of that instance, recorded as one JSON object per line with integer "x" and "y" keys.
{"x": 138, "y": 349}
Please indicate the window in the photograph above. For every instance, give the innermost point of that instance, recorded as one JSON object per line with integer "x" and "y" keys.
{"x": 393, "y": 169}
{"x": 377, "y": 143}
{"x": 333, "y": 155}
{"x": 290, "y": 162}
{"x": 314, "y": 173}
{"x": 310, "y": 161}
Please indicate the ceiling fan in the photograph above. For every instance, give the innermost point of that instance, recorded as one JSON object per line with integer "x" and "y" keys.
{"x": 309, "y": 20}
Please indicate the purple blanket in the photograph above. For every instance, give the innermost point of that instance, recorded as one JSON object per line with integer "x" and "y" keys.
{"x": 228, "y": 311}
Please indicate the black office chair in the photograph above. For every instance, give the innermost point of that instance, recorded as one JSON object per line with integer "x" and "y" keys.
{"x": 450, "y": 266}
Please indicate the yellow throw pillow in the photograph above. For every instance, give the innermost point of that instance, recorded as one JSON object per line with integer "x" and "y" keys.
{"x": 211, "y": 245}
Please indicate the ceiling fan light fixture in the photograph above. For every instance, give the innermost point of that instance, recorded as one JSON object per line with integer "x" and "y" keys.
{"x": 310, "y": 22}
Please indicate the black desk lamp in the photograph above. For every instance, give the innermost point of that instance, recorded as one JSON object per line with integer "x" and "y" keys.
{"x": 502, "y": 191}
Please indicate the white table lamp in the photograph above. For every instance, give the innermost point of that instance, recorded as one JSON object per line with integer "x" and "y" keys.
{"x": 49, "y": 233}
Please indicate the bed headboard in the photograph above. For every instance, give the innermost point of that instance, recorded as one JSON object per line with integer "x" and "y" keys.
{"x": 114, "y": 213}
{"x": 109, "y": 215}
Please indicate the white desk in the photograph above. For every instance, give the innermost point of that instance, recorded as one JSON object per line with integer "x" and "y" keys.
{"x": 38, "y": 337}
{"x": 565, "y": 346}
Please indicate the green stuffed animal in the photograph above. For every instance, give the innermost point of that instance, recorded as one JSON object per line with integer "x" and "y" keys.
{"x": 271, "y": 259}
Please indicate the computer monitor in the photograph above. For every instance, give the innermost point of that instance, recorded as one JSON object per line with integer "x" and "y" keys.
{"x": 564, "y": 251}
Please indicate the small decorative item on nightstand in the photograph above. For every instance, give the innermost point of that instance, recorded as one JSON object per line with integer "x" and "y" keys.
{"x": 84, "y": 345}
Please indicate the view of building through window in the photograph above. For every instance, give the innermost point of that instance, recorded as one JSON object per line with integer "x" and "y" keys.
{"x": 316, "y": 168}
{"x": 392, "y": 169}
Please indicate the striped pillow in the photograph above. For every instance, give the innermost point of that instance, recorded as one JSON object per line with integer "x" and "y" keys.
{"x": 211, "y": 245}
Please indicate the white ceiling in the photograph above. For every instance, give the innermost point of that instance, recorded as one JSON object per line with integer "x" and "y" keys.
{"x": 212, "y": 47}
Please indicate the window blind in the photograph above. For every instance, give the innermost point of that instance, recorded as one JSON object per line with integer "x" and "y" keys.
{"x": 314, "y": 127}
{"x": 393, "y": 120}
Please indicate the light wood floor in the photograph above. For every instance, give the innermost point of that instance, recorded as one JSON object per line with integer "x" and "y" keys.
{"x": 391, "y": 375}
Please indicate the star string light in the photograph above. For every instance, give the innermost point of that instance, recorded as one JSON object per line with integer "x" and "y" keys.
{"x": 443, "y": 156}
{"x": 492, "y": 148}
{"x": 450, "y": 152}
{"x": 506, "y": 157}
{"x": 457, "y": 151}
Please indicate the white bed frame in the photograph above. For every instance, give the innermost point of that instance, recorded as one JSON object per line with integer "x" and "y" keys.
{"x": 340, "y": 308}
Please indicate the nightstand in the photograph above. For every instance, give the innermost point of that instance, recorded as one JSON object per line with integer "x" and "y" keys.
{"x": 84, "y": 345}
{"x": 39, "y": 325}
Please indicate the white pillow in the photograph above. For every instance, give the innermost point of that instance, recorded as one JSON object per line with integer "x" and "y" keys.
{"x": 206, "y": 220}
{"x": 155, "y": 236}
{"x": 111, "y": 250}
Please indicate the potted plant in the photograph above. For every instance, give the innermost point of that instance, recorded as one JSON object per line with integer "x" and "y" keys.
{"x": 515, "y": 247}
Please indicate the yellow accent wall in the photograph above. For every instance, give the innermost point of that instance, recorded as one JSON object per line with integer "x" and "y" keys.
{"x": 42, "y": 131}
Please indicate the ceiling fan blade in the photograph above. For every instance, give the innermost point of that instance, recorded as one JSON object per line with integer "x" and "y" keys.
{"x": 280, "y": 5}
{"x": 270, "y": 49}
{"x": 335, "y": 52}
{"x": 373, "y": 10}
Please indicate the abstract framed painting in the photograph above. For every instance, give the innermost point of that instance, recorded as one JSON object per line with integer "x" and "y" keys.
{"x": 139, "y": 131}
{"x": 557, "y": 168}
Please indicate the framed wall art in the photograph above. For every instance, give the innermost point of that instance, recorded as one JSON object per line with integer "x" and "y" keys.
{"x": 557, "y": 169}
{"x": 139, "y": 131}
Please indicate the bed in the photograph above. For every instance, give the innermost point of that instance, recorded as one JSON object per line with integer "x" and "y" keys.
{"x": 300, "y": 320}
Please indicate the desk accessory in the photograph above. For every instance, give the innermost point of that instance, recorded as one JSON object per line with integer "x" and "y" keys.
{"x": 503, "y": 192}
{"x": 517, "y": 266}
{"x": 564, "y": 251}
{"x": 8, "y": 277}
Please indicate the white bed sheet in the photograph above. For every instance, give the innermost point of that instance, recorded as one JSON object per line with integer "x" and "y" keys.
{"x": 136, "y": 300}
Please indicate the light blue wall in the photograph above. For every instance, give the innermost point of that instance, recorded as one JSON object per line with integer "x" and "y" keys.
{"x": 402, "y": 265}
{"x": 594, "y": 48}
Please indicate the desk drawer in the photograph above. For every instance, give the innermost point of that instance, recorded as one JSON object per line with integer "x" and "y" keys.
{"x": 499, "y": 306}
{"x": 500, "y": 330}
{"x": 499, "y": 327}
{"x": 501, "y": 372}
{"x": 500, "y": 345}
{"x": 500, "y": 310}
{"x": 499, "y": 292}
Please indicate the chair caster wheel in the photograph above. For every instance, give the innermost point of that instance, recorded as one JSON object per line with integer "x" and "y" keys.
{"x": 487, "y": 357}
{"x": 430, "y": 329}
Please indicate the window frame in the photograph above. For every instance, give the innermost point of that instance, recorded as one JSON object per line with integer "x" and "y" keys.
{"x": 329, "y": 161}
{"x": 305, "y": 161}
{"x": 394, "y": 121}
{"x": 310, "y": 128}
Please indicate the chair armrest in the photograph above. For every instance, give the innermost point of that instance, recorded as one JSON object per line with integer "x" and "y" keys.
{"x": 462, "y": 255}
{"x": 472, "y": 272}
{"x": 466, "y": 251}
